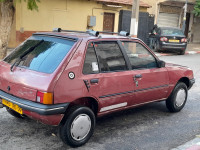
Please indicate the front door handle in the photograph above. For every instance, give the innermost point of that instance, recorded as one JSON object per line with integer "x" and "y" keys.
{"x": 92, "y": 81}
{"x": 138, "y": 76}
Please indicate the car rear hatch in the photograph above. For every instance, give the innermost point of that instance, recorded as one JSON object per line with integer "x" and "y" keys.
{"x": 32, "y": 66}
{"x": 174, "y": 39}
{"x": 22, "y": 83}
{"x": 173, "y": 35}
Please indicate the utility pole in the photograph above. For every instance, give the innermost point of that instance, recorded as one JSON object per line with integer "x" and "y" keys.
{"x": 184, "y": 18}
{"x": 134, "y": 18}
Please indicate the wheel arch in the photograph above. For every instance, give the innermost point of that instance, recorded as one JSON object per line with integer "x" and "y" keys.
{"x": 90, "y": 102}
{"x": 185, "y": 80}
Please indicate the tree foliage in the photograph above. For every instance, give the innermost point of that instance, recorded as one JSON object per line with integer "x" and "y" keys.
{"x": 31, "y": 4}
{"x": 196, "y": 10}
{"x": 7, "y": 8}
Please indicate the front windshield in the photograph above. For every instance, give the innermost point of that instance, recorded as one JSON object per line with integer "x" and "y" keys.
{"x": 172, "y": 32}
{"x": 45, "y": 57}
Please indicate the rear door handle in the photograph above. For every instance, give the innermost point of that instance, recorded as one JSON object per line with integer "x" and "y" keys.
{"x": 94, "y": 81}
{"x": 138, "y": 76}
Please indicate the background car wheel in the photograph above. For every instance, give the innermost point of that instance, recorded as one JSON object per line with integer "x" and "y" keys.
{"x": 182, "y": 52}
{"x": 14, "y": 113}
{"x": 178, "y": 98}
{"x": 78, "y": 127}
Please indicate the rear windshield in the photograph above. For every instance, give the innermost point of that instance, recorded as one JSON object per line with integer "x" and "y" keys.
{"x": 45, "y": 56}
{"x": 172, "y": 32}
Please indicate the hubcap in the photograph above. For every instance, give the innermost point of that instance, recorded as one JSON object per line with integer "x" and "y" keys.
{"x": 80, "y": 127}
{"x": 180, "y": 97}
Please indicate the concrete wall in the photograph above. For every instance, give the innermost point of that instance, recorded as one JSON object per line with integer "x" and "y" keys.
{"x": 195, "y": 30}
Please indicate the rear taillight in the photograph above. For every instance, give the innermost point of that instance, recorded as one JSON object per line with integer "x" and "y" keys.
{"x": 183, "y": 40}
{"x": 163, "y": 39}
{"x": 44, "y": 97}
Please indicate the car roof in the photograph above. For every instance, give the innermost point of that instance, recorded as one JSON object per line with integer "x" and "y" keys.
{"x": 76, "y": 35}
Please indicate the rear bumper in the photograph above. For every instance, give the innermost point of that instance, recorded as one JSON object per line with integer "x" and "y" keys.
{"x": 172, "y": 46}
{"x": 40, "y": 109}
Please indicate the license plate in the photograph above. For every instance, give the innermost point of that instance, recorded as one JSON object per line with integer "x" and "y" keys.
{"x": 15, "y": 107}
{"x": 175, "y": 41}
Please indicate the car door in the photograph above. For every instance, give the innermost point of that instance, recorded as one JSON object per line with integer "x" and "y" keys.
{"x": 107, "y": 75}
{"x": 151, "y": 82}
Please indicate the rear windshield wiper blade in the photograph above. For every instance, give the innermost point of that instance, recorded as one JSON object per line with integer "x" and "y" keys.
{"x": 16, "y": 63}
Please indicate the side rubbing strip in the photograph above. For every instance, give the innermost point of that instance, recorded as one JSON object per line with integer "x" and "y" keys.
{"x": 140, "y": 90}
{"x": 113, "y": 106}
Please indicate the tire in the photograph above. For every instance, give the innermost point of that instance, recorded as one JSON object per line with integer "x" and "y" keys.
{"x": 78, "y": 127}
{"x": 14, "y": 113}
{"x": 182, "y": 52}
{"x": 178, "y": 98}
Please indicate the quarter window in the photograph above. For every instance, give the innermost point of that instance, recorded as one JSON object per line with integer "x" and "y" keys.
{"x": 90, "y": 64}
{"x": 110, "y": 56}
{"x": 139, "y": 56}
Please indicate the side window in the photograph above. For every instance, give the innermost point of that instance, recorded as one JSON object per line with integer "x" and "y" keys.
{"x": 110, "y": 56}
{"x": 139, "y": 56}
{"x": 90, "y": 64}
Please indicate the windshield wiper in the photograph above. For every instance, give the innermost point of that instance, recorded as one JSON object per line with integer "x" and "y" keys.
{"x": 17, "y": 62}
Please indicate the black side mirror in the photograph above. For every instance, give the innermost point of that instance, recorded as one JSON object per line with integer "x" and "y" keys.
{"x": 161, "y": 64}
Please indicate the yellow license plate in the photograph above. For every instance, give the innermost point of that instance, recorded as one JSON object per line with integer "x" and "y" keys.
{"x": 15, "y": 107}
{"x": 176, "y": 41}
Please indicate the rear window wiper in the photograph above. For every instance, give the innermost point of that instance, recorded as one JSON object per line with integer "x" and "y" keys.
{"x": 17, "y": 62}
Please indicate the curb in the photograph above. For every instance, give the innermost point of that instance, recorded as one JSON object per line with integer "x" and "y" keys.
{"x": 171, "y": 54}
{"x": 190, "y": 145}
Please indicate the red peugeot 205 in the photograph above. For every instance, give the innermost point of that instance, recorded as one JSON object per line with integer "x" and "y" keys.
{"x": 69, "y": 78}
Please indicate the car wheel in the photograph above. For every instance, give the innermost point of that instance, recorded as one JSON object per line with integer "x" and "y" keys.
{"x": 78, "y": 127}
{"x": 182, "y": 52}
{"x": 178, "y": 98}
{"x": 14, "y": 113}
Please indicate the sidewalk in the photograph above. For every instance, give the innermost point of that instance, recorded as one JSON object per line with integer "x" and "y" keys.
{"x": 191, "y": 145}
{"x": 191, "y": 49}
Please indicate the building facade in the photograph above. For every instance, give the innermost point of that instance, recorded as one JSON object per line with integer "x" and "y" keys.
{"x": 101, "y": 15}
{"x": 171, "y": 13}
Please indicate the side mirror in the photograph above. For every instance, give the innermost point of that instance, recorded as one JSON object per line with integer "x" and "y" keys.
{"x": 161, "y": 64}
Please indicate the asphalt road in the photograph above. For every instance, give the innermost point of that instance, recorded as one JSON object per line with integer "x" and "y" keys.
{"x": 150, "y": 127}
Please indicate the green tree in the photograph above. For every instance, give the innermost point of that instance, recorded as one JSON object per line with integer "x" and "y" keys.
{"x": 6, "y": 20}
{"x": 196, "y": 10}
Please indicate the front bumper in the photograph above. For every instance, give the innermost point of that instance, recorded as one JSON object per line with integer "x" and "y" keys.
{"x": 191, "y": 82}
{"x": 40, "y": 109}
